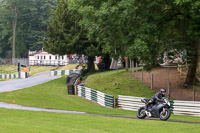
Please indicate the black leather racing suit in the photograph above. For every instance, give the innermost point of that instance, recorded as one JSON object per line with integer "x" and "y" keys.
{"x": 157, "y": 97}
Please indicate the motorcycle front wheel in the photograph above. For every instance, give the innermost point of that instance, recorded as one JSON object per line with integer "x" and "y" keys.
{"x": 141, "y": 114}
{"x": 164, "y": 115}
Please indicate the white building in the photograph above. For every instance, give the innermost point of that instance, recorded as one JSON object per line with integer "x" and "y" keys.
{"x": 46, "y": 59}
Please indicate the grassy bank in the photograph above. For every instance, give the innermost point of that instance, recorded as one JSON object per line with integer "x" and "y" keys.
{"x": 118, "y": 83}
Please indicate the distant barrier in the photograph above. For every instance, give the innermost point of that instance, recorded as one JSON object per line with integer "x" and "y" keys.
{"x": 177, "y": 107}
{"x": 10, "y": 76}
{"x": 14, "y": 76}
{"x": 47, "y": 62}
{"x": 96, "y": 96}
{"x": 63, "y": 72}
{"x": 14, "y": 61}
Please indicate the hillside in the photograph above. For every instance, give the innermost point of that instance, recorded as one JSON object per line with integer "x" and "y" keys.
{"x": 118, "y": 83}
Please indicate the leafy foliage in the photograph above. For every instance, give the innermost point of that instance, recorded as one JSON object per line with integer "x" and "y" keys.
{"x": 66, "y": 36}
{"x": 32, "y": 17}
{"x": 144, "y": 29}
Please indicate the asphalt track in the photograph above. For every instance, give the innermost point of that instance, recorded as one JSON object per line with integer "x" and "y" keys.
{"x": 20, "y": 107}
{"x": 17, "y": 84}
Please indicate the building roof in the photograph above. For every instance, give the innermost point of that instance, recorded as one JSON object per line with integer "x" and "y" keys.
{"x": 39, "y": 53}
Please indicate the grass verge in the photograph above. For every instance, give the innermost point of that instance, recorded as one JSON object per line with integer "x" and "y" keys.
{"x": 38, "y": 69}
{"x": 72, "y": 66}
{"x": 29, "y": 121}
{"x": 69, "y": 67}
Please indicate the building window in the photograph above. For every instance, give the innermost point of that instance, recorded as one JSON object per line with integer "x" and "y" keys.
{"x": 56, "y": 57}
{"x": 44, "y": 57}
{"x": 63, "y": 57}
{"x": 38, "y": 57}
{"x": 49, "y": 57}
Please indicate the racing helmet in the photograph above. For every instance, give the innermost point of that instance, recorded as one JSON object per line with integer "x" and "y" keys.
{"x": 162, "y": 91}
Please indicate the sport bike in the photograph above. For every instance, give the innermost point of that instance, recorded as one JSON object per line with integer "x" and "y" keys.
{"x": 158, "y": 110}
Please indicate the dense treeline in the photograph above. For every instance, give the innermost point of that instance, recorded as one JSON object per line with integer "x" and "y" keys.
{"x": 142, "y": 29}
{"x": 22, "y": 26}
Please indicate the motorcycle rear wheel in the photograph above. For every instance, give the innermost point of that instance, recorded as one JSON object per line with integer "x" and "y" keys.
{"x": 165, "y": 115}
{"x": 141, "y": 114}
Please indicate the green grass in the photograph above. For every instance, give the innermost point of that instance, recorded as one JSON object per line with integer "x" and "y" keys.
{"x": 118, "y": 83}
{"x": 32, "y": 122}
{"x": 68, "y": 67}
{"x": 53, "y": 95}
{"x": 8, "y": 67}
{"x": 72, "y": 66}
{"x": 12, "y": 69}
{"x": 38, "y": 69}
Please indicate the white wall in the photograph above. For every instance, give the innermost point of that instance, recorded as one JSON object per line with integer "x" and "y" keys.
{"x": 44, "y": 59}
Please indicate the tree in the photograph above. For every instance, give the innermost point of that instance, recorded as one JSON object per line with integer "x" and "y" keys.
{"x": 190, "y": 12}
{"x": 144, "y": 29}
{"x": 22, "y": 25}
{"x": 120, "y": 26}
{"x": 66, "y": 36}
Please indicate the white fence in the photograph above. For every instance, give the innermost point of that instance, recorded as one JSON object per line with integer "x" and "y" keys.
{"x": 177, "y": 107}
{"x": 186, "y": 107}
{"x": 14, "y": 76}
{"x": 62, "y": 72}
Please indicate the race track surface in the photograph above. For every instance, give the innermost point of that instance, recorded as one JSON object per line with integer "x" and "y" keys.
{"x": 17, "y": 84}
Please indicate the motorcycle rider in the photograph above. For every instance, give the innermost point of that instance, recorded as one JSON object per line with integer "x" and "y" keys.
{"x": 157, "y": 97}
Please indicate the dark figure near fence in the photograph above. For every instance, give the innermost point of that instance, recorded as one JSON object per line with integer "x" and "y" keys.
{"x": 157, "y": 97}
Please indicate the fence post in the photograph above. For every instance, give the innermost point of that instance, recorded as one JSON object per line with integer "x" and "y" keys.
{"x": 168, "y": 86}
{"x": 115, "y": 102}
{"x": 142, "y": 75}
{"x": 136, "y": 68}
{"x": 133, "y": 71}
{"x": 193, "y": 93}
{"x": 126, "y": 61}
{"x": 152, "y": 81}
{"x": 199, "y": 90}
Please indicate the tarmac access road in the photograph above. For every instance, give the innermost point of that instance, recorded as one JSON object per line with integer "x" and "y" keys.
{"x": 16, "y": 84}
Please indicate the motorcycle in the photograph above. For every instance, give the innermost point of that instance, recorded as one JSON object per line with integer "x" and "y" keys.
{"x": 159, "y": 110}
